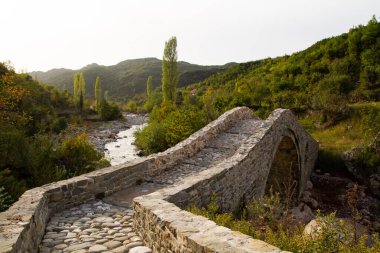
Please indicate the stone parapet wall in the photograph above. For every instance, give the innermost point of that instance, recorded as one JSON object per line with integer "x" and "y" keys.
{"x": 166, "y": 227}
{"x": 22, "y": 226}
{"x": 197, "y": 141}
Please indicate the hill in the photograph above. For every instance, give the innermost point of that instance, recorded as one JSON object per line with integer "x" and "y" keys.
{"x": 329, "y": 86}
{"x": 127, "y": 78}
{"x": 325, "y": 77}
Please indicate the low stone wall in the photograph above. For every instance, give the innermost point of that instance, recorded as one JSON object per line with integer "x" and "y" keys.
{"x": 22, "y": 226}
{"x": 165, "y": 227}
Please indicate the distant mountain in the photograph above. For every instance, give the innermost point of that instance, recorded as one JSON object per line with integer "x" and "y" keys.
{"x": 127, "y": 78}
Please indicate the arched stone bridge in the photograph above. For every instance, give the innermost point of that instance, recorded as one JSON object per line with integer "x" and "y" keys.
{"x": 237, "y": 157}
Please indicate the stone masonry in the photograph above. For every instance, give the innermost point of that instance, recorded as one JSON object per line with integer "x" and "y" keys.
{"x": 236, "y": 157}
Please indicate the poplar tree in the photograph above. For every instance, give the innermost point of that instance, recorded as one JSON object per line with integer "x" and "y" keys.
{"x": 149, "y": 86}
{"x": 82, "y": 85}
{"x": 76, "y": 87}
{"x": 170, "y": 70}
{"x": 79, "y": 90}
{"x": 98, "y": 91}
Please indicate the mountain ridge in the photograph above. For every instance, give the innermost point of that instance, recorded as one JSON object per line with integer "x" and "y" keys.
{"x": 126, "y": 78}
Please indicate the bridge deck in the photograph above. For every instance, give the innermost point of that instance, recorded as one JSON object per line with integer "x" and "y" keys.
{"x": 107, "y": 225}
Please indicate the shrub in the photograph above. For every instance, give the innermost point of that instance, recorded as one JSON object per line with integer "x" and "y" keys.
{"x": 332, "y": 235}
{"x": 109, "y": 111}
{"x": 5, "y": 199}
{"x": 78, "y": 155}
{"x": 59, "y": 124}
{"x": 151, "y": 139}
{"x": 168, "y": 126}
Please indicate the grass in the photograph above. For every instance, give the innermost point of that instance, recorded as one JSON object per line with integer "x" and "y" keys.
{"x": 362, "y": 124}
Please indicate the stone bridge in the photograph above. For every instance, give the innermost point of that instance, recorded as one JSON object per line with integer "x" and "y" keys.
{"x": 143, "y": 202}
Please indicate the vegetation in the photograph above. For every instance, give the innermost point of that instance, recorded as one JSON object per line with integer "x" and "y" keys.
{"x": 149, "y": 83}
{"x": 333, "y": 87}
{"x": 170, "y": 71}
{"x": 98, "y": 93}
{"x": 36, "y": 146}
{"x": 267, "y": 219}
{"x": 79, "y": 90}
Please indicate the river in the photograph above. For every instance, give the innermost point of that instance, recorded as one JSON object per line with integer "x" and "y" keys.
{"x": 123, "y": 149}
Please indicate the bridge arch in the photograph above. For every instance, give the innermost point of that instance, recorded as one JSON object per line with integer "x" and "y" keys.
{"x": 285, "y": 169}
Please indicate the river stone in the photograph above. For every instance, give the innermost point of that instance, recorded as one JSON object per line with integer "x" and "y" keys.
{"x": 112, "y": 244}
{"x": 133, "y": 244}
{"x": 103, "y": 219}
{"x": 121, "y": 249}
{"x": 77, "y": 247}
{"x": 140, "y": 249}
{"x": 97, "y": 248}
{"x": 60, "y": 246}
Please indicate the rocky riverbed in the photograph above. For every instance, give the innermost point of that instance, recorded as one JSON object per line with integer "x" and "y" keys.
{"x": 101, "y": 133}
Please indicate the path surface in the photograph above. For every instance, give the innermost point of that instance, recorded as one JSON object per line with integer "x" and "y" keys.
{"x": 106, "y": 226}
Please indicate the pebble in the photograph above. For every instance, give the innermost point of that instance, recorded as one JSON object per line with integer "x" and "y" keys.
{"x": 97, "y": 248}
{"x": 140, "y": 249}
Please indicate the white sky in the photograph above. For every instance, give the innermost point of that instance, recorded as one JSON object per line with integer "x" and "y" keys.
{"x": 45, "y": 34}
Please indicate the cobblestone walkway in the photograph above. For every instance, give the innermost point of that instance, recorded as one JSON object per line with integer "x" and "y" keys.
{"x": 106, "y": 226}
{"x": 92, "y": 227}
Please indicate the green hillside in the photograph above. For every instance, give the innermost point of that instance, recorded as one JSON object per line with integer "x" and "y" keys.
{"x": 323, "y": 85}
{"x": 126, "y": 78}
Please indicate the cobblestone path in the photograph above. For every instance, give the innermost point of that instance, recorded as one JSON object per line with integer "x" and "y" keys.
{"x": 106, "y": 226}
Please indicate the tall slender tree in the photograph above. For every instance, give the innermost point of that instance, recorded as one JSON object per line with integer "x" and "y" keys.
{"x": 79, "y": 90}
{"x": 76, "y": 87}
{"x": 170, "y": 70}
{"x": 98, "y": 92}
{"x": 149, "y": 83}
{"x": 82, "y": 85}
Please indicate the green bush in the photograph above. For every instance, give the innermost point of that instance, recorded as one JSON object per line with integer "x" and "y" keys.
{"x": 109, "y": 111}
{"x": 5, "y": 200}
{"x": 168, "y": 126}
{"x": 78, "y": 156}
{"x": 59, "y": 124}
{"x": 151, "y": 139}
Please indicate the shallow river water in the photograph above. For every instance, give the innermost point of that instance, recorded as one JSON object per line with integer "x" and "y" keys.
{"x": 123, "y": 149}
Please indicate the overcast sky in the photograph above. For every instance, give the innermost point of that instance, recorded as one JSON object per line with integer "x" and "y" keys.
{"x": 46, "y": 34}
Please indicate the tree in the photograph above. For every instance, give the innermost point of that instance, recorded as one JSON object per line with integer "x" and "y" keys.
{"x": 79, "y": 90}
{"x": 76, "y": 86}
{"x": 149, "y": 86}
{"x": 170, "y": 70}
{"x": 98, "y": 92}
{"x": 82, "y": 85}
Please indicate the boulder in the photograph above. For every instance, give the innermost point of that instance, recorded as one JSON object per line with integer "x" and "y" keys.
{"x": 368, "y": 176}
{"x": 302, "y": 213}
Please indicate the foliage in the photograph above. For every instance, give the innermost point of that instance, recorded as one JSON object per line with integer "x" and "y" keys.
{"x": 109, "y": 111}
{"x": 79, "y": 90}
{"x": 5, "y": 199}
{"x": 77, "y": 155}
{"x": 149, "y": 83}
{"x": 151, "y": 139}
{"x": 170, "y": 70}
{"x": 168, "y": 126}
{"x": 35, "y": 147}
{"x": 98, "y": 93}
{"x": 263, "y": 221}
